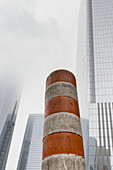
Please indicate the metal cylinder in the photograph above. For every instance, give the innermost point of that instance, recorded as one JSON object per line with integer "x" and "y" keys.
{"x": 62, "y": 137}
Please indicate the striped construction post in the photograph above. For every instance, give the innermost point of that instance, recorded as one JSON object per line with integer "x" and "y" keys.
{"x": 62, "y": 138}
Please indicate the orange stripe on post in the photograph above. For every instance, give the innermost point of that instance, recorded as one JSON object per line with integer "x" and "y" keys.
{"x": 61, "y": 75}
{"x": 61, "y": 104}
{"x": 62, "y": 143}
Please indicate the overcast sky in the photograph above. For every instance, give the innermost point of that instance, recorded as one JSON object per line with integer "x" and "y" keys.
{"x": 36, "y": 37}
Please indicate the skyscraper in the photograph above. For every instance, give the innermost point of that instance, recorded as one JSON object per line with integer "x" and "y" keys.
{"x": 31, "y": 152}
{"x": 9, "y": 100}
{"x": 96, "y": 57}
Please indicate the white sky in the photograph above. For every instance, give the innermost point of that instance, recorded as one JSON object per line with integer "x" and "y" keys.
{"x": 36, "y": 37}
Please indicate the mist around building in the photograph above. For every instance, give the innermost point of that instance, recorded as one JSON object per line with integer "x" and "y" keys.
{"x": 73, "y": 129}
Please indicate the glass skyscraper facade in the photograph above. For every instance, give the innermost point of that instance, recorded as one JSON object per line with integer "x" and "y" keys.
{"x": 9, "y": 100}
{"x": 97, "y": 62}
{"x": 99, "y": 52}
{"x": 31, "y": 152}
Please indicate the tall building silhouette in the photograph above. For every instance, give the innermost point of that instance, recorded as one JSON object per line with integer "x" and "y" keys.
{"x": 31, "y": 152}
{"x": 9, "y": 101}
{"x": 95, "y": 62}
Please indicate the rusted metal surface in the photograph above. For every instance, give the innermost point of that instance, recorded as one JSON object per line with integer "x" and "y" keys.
{"x": 61, "y": 104}
{"x": 58, "y": 143}
{"x": 60, "y": 75}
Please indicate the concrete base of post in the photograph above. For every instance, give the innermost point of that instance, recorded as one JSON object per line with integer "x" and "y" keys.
{"x": 64, "y": 162}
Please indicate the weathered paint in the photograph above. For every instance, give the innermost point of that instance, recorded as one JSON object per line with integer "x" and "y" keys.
{"x": 60, "y": 75}
{"x": 64, "y": 162}
{"x": 61, "y": 89}
{"x": 64, "y": 142}
{"x": 62, "y": 122}
{"x": 61, "y": 104}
